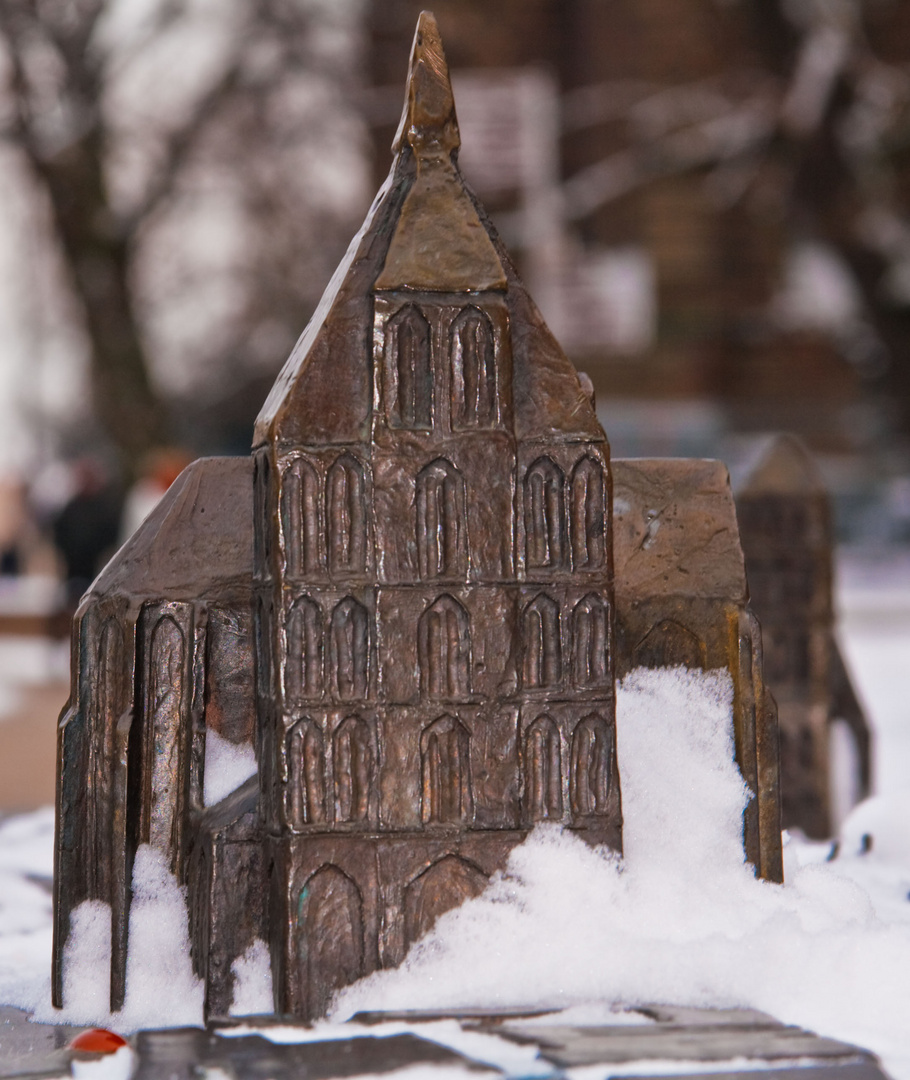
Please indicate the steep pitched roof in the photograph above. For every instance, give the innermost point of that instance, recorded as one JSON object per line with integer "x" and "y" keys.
{"x": 198, "y": 541}
{"x": 425, "y": 231}
{"x": 675, "y": 531}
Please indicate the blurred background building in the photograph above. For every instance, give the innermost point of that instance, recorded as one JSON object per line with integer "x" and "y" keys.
{"x": 710, "y": 200}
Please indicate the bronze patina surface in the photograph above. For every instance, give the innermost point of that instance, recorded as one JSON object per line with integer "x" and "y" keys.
{"x": 682, "y": 600}
{"x": 785, "y": 522}
{"x": 405, "y": 602}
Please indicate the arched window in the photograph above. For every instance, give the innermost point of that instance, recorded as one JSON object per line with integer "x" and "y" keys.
{"x": 264, "y": 631}
{"x": 444, "y": 650}
{"x": 107, "y": 703}
{"x": 542, "y": 771}
{"x": 542, "y": 647}
{"x": 346, "y": 513}
{"x": 353, "y": 764}
{"x": 350, "y": 650}
{"x": 409, "y": 369}
{"x": 588, "y": 522}
{"x": 444, "y": 885}
{"x": 441, "y": 546}
{"x": 166, "y": 680}
{"x": 592, "y": 765}
{"x": 328, "y": 939}
{"x": 670, "y": 644}
{"x": 300, "y": 517}
{"x": 544, "y": 515}
{"x": 446, "y": 772}
{"x": 306, "y": 774}
{"x": 303, "y": 669}
{"x": 591, "y": 642}
{"x": 473, "y": 361}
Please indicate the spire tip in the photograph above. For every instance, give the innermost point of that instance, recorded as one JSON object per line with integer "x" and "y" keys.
{"x": 428, "y": 122}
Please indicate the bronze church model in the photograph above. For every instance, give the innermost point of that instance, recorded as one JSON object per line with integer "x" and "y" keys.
{"x": 404, "y": 602}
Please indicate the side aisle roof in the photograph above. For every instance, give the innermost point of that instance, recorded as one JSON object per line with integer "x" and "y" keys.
{"x": 675, "y": 531}
{"x": 197, "y": 540}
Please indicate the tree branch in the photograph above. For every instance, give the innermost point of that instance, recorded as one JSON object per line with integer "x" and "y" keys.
{"x": 181, "y": 144}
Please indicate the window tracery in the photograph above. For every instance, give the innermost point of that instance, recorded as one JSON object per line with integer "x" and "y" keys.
{"x": 473, "y": 363}
{"x": 587, "y": 518}
{"x": 445, "y": 772}
{"x": 444, "y": 650}
{"x": 346, "y": 513}
{"x": 542, "y": 646}
{"x": 409, "y": 367}
{"x": 544, "y": 515}
{"x": 441, "y": 546}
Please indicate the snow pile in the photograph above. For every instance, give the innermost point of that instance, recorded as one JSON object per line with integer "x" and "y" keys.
{"x": 26, "y": 859}
{"x": 681, "y": 919}
{"x": 161, "y": 987}
{"x": 227, "y": 766}
{"x": 253, "y": 981}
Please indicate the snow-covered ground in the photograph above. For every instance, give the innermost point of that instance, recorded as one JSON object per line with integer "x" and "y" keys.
{"x": 679, "y": 920}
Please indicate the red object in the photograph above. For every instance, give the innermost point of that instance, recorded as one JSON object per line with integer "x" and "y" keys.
{"x": 97, "y": 1041}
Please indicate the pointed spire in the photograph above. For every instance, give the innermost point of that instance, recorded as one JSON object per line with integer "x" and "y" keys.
{"x": 439, "y": 243}
{"x": 428, "y": 121}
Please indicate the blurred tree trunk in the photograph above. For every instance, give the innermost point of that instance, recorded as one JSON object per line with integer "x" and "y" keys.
{"x": 131, "y": 121}
{"x": 51, "y": 58}
{"x": 97, "y": 254}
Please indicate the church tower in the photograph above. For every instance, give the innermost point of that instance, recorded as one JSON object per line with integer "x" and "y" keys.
{"x": 433, "y": 579}
{"x": 401, "y": 610}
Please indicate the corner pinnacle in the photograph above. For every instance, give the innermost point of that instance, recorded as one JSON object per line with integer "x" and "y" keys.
{"x": 428, "y": 122}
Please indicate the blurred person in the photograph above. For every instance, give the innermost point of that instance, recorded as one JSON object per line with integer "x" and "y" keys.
{"x": 14, "y": 521}
{"x": 85, "y": 528}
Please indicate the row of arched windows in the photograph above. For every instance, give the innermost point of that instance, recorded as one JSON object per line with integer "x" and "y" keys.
{"x": 440, "y": 502}
{"x": 411, "y": 371}
{"x": 345, "y": 510}
{"x": 443, "y": 648}
{"x": 565, "y": 522}
{"x": 348, "y": 651}
{"x": 590, "y": 768}
{"x": 543, "y": 664}
{"x": 349, "y": 795}
{"x": 353, "y": 769}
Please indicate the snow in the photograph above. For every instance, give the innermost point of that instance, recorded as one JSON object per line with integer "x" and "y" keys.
{"x": 515, "y": 1059}
{"x": 227, "y": 766}
{"x": 680, "y": 919}
{"x": 252, "y": 981}
{"x": 161, "y": 987}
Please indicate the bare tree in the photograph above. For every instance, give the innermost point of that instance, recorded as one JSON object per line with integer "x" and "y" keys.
{"x": 810, "y": 125}
{"x": 133, "y": 119}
